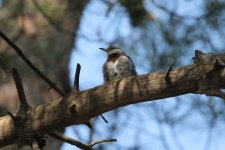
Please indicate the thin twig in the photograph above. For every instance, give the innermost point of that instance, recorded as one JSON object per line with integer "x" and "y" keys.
{"x": 78, "y": 143}
{"x": 70, "y": 140}
{"x": 103, "y": 118}
{"x": 21, "y": 115}
{"x": 167, "y": 77}
{"x": 102, "y": 141}
{"x": 88, "y": 124}
{"x": 19, "y": 86}
{"x": 76, "y": 86}
{"x": 30, "y": 64}
{"x": 77, "y": 77}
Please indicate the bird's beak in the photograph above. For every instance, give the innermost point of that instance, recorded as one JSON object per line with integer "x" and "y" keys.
{"x": 104, "y": 49}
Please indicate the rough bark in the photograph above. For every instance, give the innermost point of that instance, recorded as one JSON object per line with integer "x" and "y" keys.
{"x": 92, "y": 102}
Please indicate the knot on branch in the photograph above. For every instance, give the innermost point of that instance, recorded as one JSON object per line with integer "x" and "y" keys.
{"x": 217, "y": 60}
{"x": 167, "y": 77}
{"x": 73, "y": 109}
{"x": 26, "y": 136}
{"x": 209, "y": 82}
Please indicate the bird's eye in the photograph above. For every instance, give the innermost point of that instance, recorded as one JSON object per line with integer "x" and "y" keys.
{"x": 110, "y": 47}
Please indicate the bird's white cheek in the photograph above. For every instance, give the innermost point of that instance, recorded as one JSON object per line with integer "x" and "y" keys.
{"x": 116, "y": 66}
{"x": 111, "y": 66}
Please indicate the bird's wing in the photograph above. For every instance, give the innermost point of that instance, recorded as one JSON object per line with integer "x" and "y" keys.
{"x": 132, "y": 66}
{"x": 127, "y": 64}
{"x": 105, "y": 73}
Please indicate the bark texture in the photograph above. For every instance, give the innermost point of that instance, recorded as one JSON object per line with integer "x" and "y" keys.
{"x": 78, "y": 108}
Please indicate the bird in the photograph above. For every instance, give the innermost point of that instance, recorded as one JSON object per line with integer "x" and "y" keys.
{"x": 118, "y": 65}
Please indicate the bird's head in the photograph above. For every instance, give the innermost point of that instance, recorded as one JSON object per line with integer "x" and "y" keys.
{"x": 112, "y": 50}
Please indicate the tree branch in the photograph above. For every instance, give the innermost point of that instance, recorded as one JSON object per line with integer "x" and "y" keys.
{"x": 78, "y": 143}
{"x": 30, "y": 64}
{"x": 167, "y": 77}
{"x": 76, "y": 87}
{"x": 104, "y": 98}
{"x": 76, "y": 78}
{"x": 21, "y": 94}
{"x": 70, "y": 141}
{"x": 102, "y": 141}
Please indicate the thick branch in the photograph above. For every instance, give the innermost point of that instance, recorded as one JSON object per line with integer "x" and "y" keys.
{"x": 93, "y": 102}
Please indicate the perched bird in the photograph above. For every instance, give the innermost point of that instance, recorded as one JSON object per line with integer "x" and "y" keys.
{"x": 118, "y": 65}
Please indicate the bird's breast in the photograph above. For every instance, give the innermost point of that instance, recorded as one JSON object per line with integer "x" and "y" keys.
{"x": 113, "y": 66}
{"x": 114, "y": 57}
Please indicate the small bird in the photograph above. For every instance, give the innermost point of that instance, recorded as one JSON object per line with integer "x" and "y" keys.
{"x": 118, "y": 65}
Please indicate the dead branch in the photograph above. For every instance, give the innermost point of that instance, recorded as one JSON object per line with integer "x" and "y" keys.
{"x": 78, "y": 143}
{"x": 77, "y": 88}
{"x": 70, "y": 141}
{"x": 208, "y": 83}
{"x": 95, "y": 101}
{"x": 167, "y": 77}
{"x": 102, "y": 141}
{"x": 21, "y": 94}
{"x": 76, "y": 78}
{"x": 79, "y": 107}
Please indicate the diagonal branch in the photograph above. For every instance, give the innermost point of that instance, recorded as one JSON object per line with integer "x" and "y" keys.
{"x": 70, "y": 140}
{"x": 18, "y": 82}
{"x": 30, "y": 64}
{"x": 93, "y": 102}
{"x": 78, "y": 143}
{"x": 102, "y": 141}
{"x": 21, "y": 116}
{"x": 21, "y": 94}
